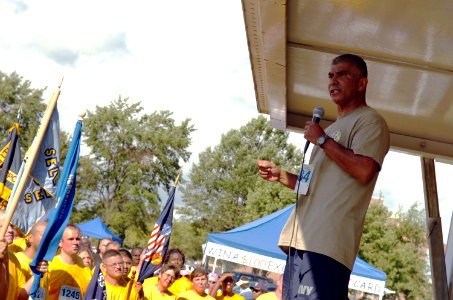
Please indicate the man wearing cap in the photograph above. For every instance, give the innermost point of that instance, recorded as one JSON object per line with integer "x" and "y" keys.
{"x": 258, "y": 289}
{"x": 245, "y": 290}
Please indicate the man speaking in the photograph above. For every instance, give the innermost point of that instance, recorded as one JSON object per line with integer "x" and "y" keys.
{"x": 322, "y": 235}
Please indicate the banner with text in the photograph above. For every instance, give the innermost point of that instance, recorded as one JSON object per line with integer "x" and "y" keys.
{"x": 245, "y": 258}
{"x": 367, "y": 285}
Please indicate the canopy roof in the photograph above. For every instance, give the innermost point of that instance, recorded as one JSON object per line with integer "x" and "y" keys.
{"x": 97, "y": 229}
{"x": 407, "y": 49}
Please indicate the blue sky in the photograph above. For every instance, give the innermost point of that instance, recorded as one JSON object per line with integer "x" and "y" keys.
{"x": 188, "y": 57}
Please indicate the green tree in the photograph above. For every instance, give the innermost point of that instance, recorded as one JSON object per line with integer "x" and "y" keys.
{"x": 397, "y": 245}
{"x": 132, "y": 156}
{"x": 15, "y": 92}
{"x": 224, "y": 188}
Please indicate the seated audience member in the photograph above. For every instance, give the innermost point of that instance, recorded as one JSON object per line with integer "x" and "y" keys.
{"x": 116, "y": 286}
{"x": 199, "y": 279}
{"x": 159, "y": 290}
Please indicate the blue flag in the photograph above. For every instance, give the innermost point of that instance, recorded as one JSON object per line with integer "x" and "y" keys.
{"x": 158, "y": 241}
{"x": 58, "y": 217}
{"x": 10, "y": 162}
{"x": 96, "y": 288}
{"x": 40, "y": 190}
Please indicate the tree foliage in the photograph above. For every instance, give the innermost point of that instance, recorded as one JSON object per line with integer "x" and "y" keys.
{"x": 397, "y": 245}
{"x": 15, "y": 92}
{"x": 224, "y": 189}
{"x": 132, "y": 155}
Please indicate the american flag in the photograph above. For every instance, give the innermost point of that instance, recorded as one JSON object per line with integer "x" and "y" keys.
{"x": 159, "y": 240}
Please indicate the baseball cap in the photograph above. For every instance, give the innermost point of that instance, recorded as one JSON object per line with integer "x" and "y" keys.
{"x": 259, "y": 286}
{"x": 242, "y": 281}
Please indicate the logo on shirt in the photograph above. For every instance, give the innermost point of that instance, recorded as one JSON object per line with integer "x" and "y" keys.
{"x": 336, "y": 136}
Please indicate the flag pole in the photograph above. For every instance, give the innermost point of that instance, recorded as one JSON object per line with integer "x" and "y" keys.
{"x": 175, "y": 184}
{"x": 30, "y": 157}
{"x": 129, "y": 287}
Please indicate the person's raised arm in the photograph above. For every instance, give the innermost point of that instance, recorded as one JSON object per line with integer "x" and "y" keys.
{"x": 361, "y": 167}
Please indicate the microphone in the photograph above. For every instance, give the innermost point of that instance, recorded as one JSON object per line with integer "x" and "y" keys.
{"x": 318, "y": 113}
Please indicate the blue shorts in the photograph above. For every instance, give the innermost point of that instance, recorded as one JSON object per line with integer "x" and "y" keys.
{"x": 313, "y": 276}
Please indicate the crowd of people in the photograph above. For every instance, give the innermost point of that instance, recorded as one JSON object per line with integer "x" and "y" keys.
{"x": 68, "y": 275}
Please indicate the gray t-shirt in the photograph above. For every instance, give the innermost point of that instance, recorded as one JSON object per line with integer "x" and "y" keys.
{"x": 330, "y": 217}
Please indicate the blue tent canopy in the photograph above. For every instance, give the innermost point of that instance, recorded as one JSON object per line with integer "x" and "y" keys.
{"x": 256, "y": 244}
{"x": 97, "y": 229}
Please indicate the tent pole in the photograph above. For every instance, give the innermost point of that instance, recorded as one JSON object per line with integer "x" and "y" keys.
{"x": 435, "y": 239}
{"x": 215, "y": 264}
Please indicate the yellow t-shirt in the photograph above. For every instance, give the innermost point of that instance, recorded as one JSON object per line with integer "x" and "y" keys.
{"x": 16, "y": 277}
{"x": 152, "y": 293}
{"x": 24, "y": 262}
{"x": 63, "y": 280}
{"x": 268, "y": 296}
{"x": 18, "y": 245}
{"x": 192, "y": 295}
{"x": 234, "y": 297}
{"x": 119, "y": 292}
{"x": 133, "y": 268}
{"x": 178, "y": 286}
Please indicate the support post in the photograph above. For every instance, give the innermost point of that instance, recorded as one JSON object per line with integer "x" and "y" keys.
{"x": 434, "y": 230}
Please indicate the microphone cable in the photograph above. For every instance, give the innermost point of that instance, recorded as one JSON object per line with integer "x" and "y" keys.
{"x": 299, "y": 178}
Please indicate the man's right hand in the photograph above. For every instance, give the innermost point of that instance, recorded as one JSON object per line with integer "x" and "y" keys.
{"x": 268, "y": 170}
{"x": 271, "y": 172}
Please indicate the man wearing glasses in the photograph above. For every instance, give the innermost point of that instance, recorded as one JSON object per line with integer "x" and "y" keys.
{"x": 159, "y": 290}
{"x": 116, "y": 285}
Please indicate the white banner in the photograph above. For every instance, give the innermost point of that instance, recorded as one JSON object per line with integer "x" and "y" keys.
{"x": 367, "y": 285}
{"x": 245, "y": 258}
{"x": 254, "y": 260}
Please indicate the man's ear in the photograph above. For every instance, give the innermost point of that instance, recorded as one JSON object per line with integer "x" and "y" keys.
{"x": 363, "y": 83}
